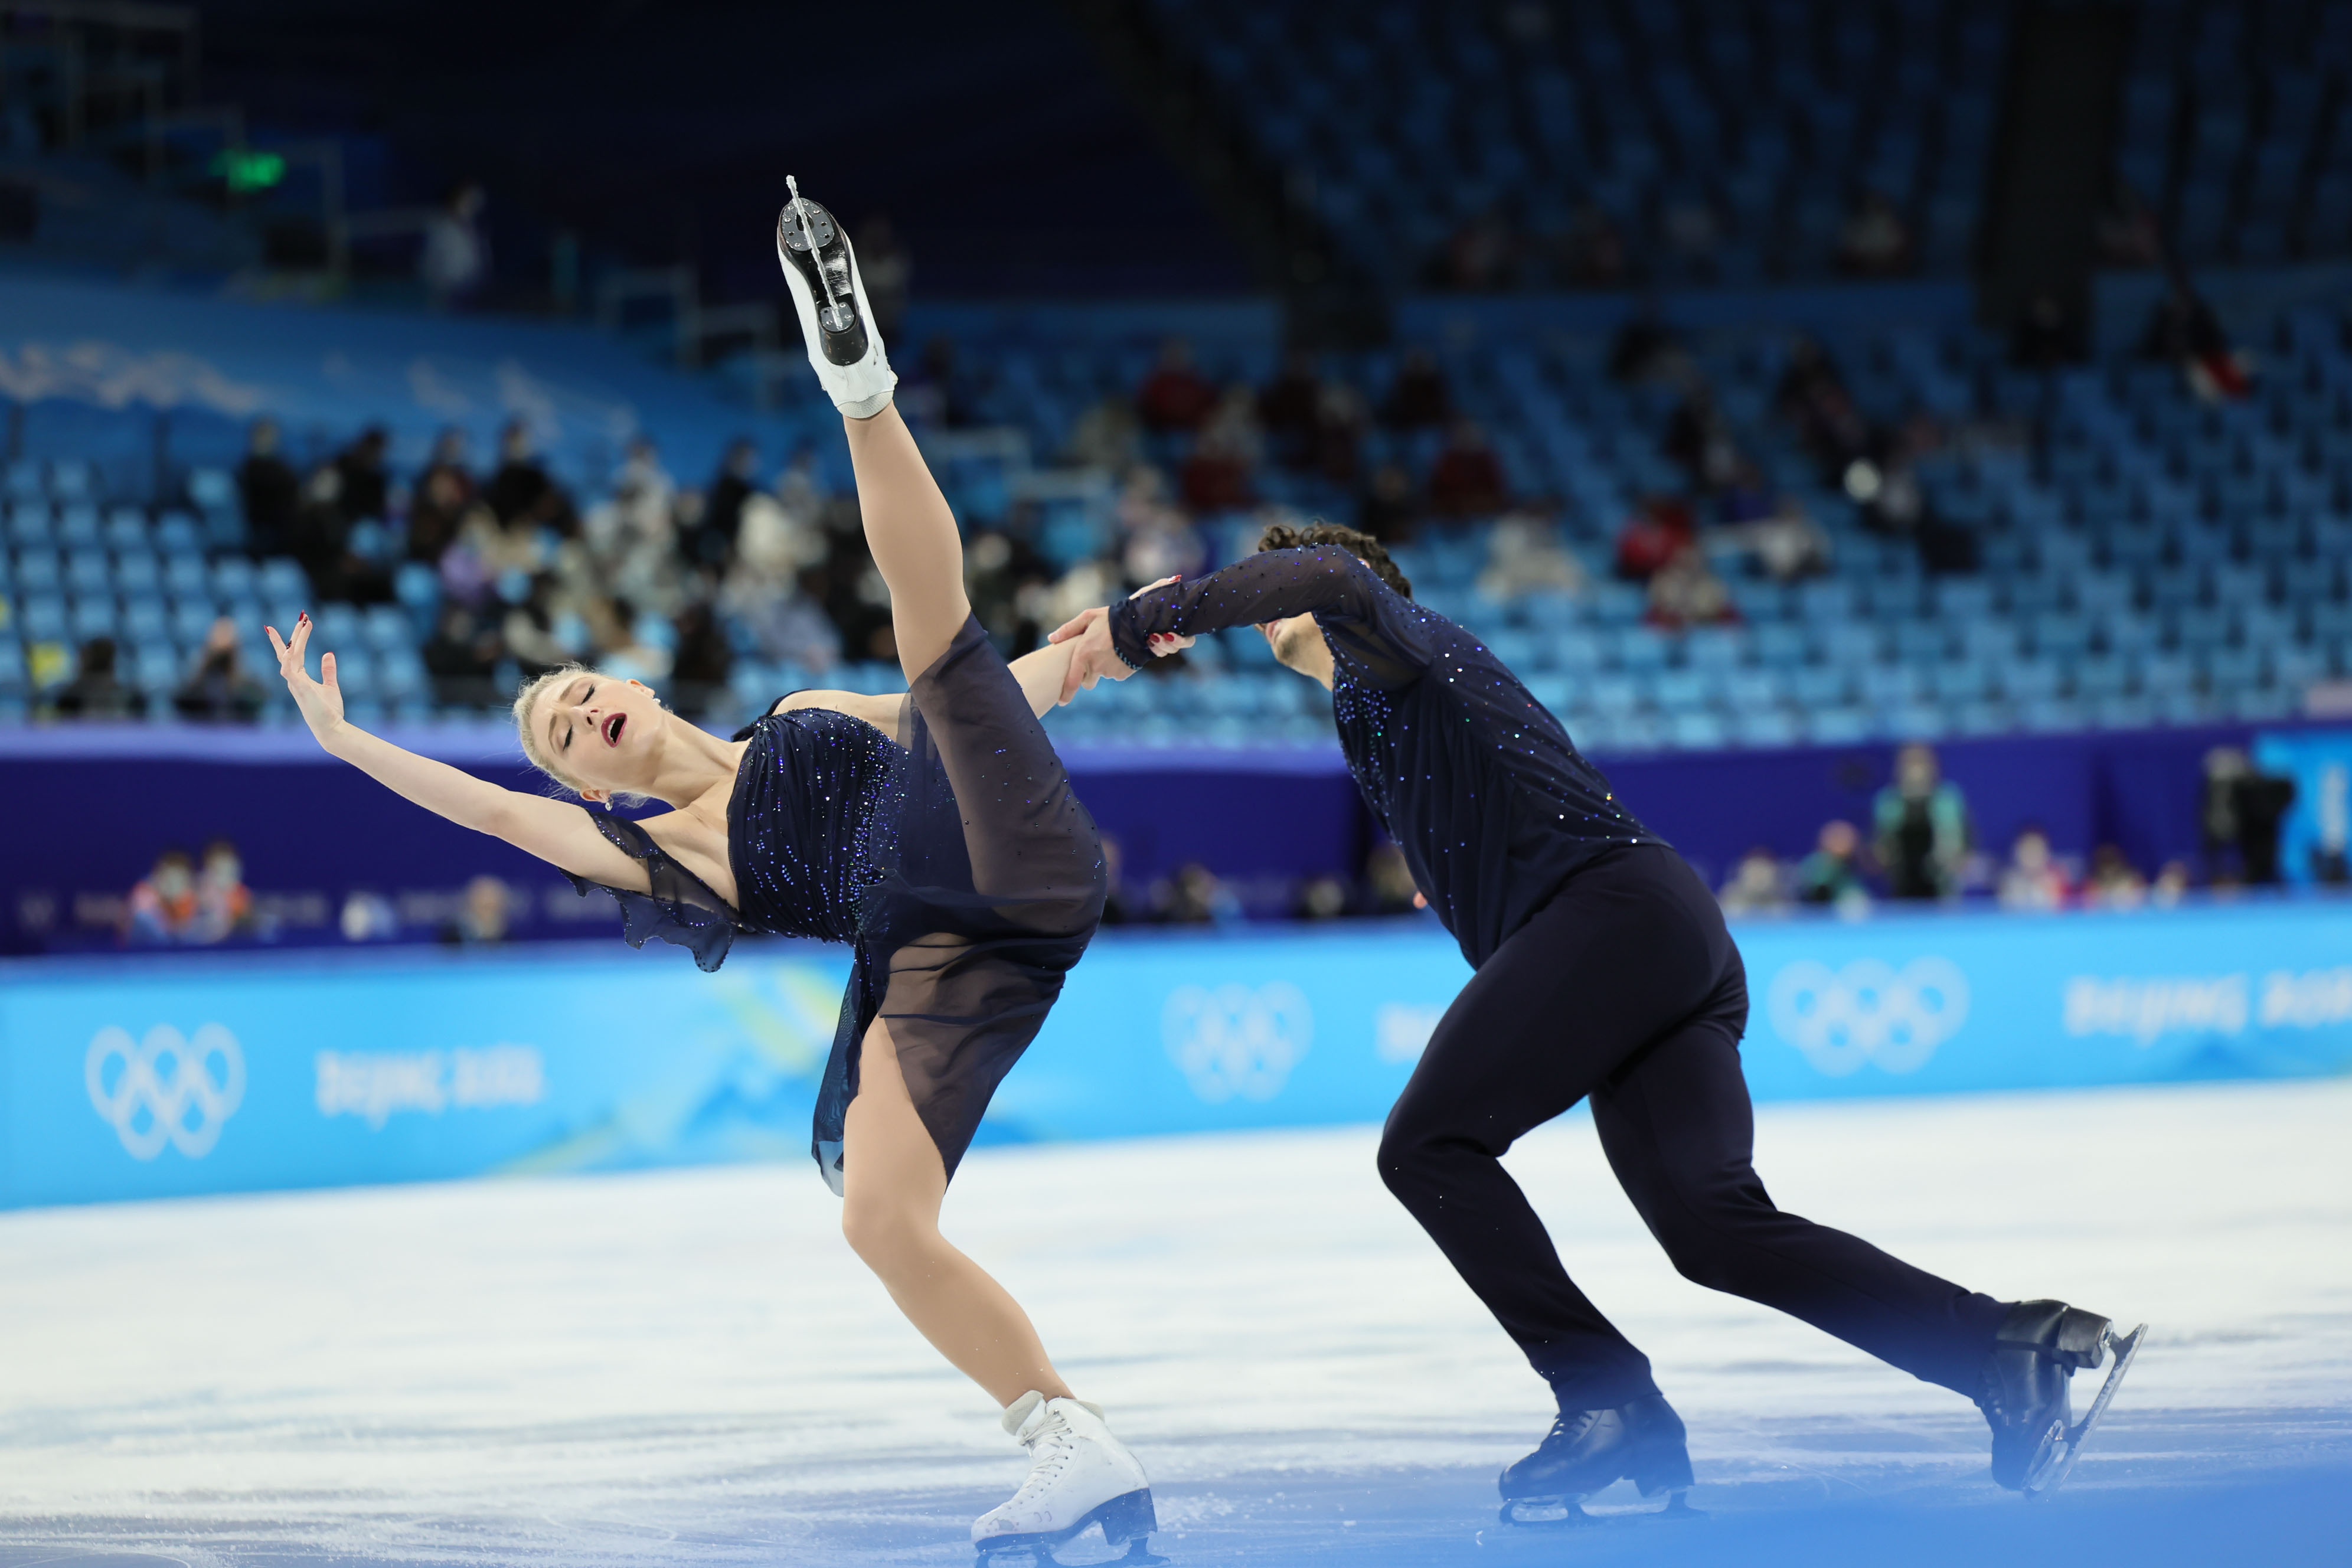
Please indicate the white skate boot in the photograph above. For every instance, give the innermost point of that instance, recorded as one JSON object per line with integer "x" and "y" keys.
{"x": 821, "y": 270}
{"x": 1079, "y": 1475}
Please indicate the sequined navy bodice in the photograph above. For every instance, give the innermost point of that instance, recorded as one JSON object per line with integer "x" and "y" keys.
{"x": 809, "y": 825}
{"x": 1475, "y": 780}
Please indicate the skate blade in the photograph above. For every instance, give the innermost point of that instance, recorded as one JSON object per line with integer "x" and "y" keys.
{"x": 1129, "y": 1518}
{"x": 1557, "y": 1513}
{"x": 2127, "y": 1348}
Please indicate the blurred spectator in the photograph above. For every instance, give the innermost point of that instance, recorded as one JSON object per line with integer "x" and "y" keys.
{"x": 2131, "y": 237}
{"x": 702, "y": 662}
{"x": 1106, "y": 436}
{"x": 1813, "y": 400}
{"x": 520, "y": 490}
{"x": 711, "y": 542}
{"x": 220, "y": 689}
{"x": 2033, "y": 880}
{"x": 1323, "y": 898}
{"x": 1161, "y": 540}
{"x": 456, "y": 258}
{"x": 1340, "y": 417}
{"x": 2184, "y": 330}
{"x": 1525, "y": 555}
{"x": 368, "y": 917}
{"x": 1875, "y": 241}
{"x": 1657, "y": 533}
{"x": 96, "y": 691}
{"x": 462, "y": 656}
{"x": 1196, "y": 896}
{"x": 791, "y": 627}
{"x": 934, "y": 394}
{"x": 2045, "y": 338}
{"x": 1922, "y": 824}
{"x": 485, "y": 913}
{"x": 1481, "y": 257}
{"x": 1389, "y": 888}
{"x": 1832, "y": 874}
{"x": 1217, "y": 475}
{"x": 163, "y": 905}
{"x": 885, "y": 267}
{"x": 1418, "y": 399}
{"x": 1698, "y": 437}
{"x": 363, "y": 483}
{"x": 1755, "y": 886}
{"x": 1787, "y": 544}
{"x": 1290, "y": 406}
{"x": 1006, "y": 577}
{"x": 1467, "y": 480}
{"x": 2171, "y": 885}
{"x": 1391, "y": 505}
{"x": 1118, "y": 901}
{"x": 1692, "y": 231}
{"x": 1175, "y": 397}
{"x": 1686, "y": 592}
{"x": 223, "y": 904}
{"x": 2243, "y": 813}
{"x": 2114, "y": 882}
{"x": 443, "y": 492}
{"x": 1646, "y": 350}
{"x": 269, "y": 489}
{"x": 1592, "y": 251}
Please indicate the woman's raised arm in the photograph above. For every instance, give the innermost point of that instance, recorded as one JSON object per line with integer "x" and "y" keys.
{"x": 556, "y": 831}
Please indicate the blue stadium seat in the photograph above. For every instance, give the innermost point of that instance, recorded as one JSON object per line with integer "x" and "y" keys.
{"x": 13, "y": 681}
{"x": 186, "y": 577}
{"x": 284, "y": 581}
{"x": 144, "y": 620}
{"x": 1764, "y": 727}
{"x": 87, "y": 572}
{"x": 1613, "y": 696}
{"x": 2102, "y": 675}
{"x": 192, "y": 620}
{"x": 234, "y": 578}
{"x": 177, "y": 534}
{"x": 42, "y": 616}
{"x": 138, "y": 571}
{"x": 31, "y": 525}
{"x": 1835, "y": 726}
{"x": 93, "y": 617}
{"x": 1641, "y": 649}
{"x": 77, "y": 527}
{"x": 126, "y": 529}
{"x": 1782, "y": 645}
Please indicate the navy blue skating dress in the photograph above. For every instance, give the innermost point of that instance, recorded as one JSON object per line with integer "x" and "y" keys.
{"x": 953, "y": 857}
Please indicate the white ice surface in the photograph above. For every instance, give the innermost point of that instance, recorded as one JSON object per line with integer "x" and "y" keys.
{"x": 691, "y": 1366}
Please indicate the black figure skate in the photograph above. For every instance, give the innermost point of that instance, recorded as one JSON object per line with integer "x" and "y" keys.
{"x": 1587, "y": 1450}
{"x": 821, "y": 272}
{"x": 2040, "y": 1345}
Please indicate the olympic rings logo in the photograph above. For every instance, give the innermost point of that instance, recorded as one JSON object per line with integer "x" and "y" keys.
{"x": 1237, "y": 1039}
{"x": 165, "y": 1089}
{"x": 1868, "y": 1012}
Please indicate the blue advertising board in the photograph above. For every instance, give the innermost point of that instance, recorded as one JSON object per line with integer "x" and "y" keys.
{"x": 123, "y": 1079}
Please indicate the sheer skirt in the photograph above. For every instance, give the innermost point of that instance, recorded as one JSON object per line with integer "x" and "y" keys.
{"x": 996, "y": 888}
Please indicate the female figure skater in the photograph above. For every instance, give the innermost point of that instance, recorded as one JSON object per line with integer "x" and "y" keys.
{"x": 936, "y": 833}
{"x": 1603, "y": 969}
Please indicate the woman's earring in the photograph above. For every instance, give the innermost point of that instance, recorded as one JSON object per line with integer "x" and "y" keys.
{"x": 608, "y": 803}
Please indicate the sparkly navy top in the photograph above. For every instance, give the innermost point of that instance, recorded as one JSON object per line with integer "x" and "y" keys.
{"x": 1477, "y": 783}
{"x": 810, "y": 829}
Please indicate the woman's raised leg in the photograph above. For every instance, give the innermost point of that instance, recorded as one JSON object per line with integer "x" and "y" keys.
{"x": 912, "y": 532}
{"x": 894, "y": 1184}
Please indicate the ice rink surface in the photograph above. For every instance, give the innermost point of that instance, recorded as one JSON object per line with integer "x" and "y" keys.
{"x": 691, "y": 1367}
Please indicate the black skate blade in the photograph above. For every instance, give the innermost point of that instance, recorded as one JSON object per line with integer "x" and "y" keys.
{"x": 2127, "y": 1348}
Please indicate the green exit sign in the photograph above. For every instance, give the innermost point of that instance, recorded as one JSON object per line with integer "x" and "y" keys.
{"x": 246, "y": 170}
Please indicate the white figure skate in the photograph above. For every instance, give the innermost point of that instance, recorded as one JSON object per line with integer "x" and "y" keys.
{"x": 821, "y": 270}
{"x": 1079, "y": 1476}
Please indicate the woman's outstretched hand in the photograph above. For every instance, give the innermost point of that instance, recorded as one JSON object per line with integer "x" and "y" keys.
{"x": 321, "y": 702}
{"x": 1093, "y": 658}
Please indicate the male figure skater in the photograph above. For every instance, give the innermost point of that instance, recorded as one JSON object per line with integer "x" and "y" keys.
{"x": 1603, "y": 971}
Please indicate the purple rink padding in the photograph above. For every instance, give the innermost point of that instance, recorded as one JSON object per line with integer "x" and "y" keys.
{"x": 124, "y": 1077}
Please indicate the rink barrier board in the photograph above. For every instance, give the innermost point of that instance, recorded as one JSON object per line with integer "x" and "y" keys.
{"x": 129, "y": 1079}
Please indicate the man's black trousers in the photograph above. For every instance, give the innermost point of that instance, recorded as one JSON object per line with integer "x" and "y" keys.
{"x": 1626, "y": 987}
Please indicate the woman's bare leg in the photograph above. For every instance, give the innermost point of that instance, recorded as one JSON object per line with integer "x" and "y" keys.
{"x": 912, "y": 532}
{"x": 895, "y": 1183}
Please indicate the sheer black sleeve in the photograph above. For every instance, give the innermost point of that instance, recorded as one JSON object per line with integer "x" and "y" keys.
{"x": 1365, "y": 620}
{"x": 680, "y": 908}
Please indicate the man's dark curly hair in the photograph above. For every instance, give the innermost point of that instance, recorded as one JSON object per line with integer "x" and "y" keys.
{"x": 1361, "y": 545}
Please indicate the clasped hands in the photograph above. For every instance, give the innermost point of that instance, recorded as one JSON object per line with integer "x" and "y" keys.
{"x": 1092, "y": 655}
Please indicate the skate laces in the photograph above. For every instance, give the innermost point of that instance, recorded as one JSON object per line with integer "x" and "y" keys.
{"x": 1051, "y": 1447}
